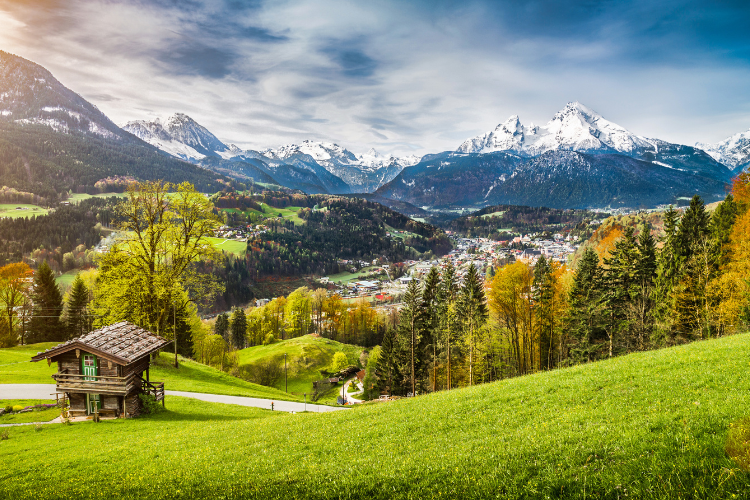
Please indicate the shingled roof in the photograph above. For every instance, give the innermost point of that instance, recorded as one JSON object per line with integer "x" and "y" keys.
{"x": 123, "y": 343}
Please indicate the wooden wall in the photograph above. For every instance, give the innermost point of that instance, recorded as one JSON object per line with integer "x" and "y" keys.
{"x": 68, "y": 361}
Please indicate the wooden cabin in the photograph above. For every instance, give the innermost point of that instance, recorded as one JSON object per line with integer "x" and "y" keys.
{"x": 106, "y": 370}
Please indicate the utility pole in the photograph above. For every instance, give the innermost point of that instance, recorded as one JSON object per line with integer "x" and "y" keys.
{"x": 174, "y": 319}
{"x": 286, "y": 380}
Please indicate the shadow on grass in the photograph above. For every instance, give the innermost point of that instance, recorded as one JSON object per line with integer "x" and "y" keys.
{"x": 202, "y": 415}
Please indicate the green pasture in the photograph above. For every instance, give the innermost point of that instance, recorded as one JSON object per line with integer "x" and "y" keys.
{"x": 230, "y": 246}
{"x": 306, "y": 357}
{"x": 66, "y": 279}
{"x": 649, "y": 425}
{"x": 346, "y": 277}
{"x": 36, "y": 415}
{"x": 78, "y": 197}
{"x": 494, "y": 214}
{"x": 15, "y": 368}
{"x": 17, "y": 210}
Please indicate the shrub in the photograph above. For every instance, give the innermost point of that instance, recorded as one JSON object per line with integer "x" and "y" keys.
{"x": 339, "y": 362}
{"x": 8, "y": 409}
{"x": 17, "y": 408}
{"x": 269, "y": 339}
{"x": 150, "y": 404}
{"x": 4, "y": 435}
{"x": 37, "y": 427}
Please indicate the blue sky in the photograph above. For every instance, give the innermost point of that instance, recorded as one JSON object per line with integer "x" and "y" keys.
{"x": 403, "y": 77}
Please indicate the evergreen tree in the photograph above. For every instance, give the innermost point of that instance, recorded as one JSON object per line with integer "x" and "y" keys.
{"x": 693, "y": 228}
{"x": 722, "y": 222}
{"x": 618, "y": 281}
{"x": 410, "y": 338}
{"x": 77, "y": 309}
{"x": 585, "y": 307}
{"x": 447, "y": 313}
{"x": 431, "y": 324}
{"x": 642, "y": 288}
{"x": 386, "y": 369}
{"x": 45, "y": 325}
{"x": 472, "y": 309}
{"x": 238, "y": 328}
{"x": 669, "y": 263}
{"x": 221, "y": 327}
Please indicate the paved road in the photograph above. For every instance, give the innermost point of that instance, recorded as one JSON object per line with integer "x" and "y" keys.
{"x": 47, "y": 391}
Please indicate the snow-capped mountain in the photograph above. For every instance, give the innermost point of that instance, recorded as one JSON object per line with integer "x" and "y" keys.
{"x": 574, "y": 128}
{"x": 182, "y": 137}
{"x": 363, "y": 173}
{"x": 29, "y": 94}
{"x": 734, "y": 152}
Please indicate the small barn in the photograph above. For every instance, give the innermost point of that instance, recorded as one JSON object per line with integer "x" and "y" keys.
{"x": 106, "y": 370}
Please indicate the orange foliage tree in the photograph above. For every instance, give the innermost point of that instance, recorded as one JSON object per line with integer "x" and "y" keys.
{"x": 15, "y": 284}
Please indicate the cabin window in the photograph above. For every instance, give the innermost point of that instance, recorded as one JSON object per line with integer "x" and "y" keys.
{"x": 88, "y": 361}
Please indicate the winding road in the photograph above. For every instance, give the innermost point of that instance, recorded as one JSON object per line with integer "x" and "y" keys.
{"x": 47, "y": 391}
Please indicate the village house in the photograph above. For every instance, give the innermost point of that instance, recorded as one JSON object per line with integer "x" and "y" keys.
{"x": 106, "y": 370}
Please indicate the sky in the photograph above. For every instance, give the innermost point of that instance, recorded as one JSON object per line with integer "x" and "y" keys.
{"x": 404, "y": 77}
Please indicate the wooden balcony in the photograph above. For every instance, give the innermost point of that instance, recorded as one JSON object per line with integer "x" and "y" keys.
{"x": 115, "y": 386}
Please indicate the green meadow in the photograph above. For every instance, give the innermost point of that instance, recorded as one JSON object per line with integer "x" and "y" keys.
{"x": 648, "y": 425}
{"x": 17, "y": 210}
{"x": 306, "y": 357}
{"x": 228, "y": 246}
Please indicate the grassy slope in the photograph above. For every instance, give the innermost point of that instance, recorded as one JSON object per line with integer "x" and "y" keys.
{"x": 9, "y": 210}
{"x": 649, "y": 425}
{"x": 37, "y": 415}
{"x": 306, "y": 356}
{"x": 229, "y": 246}
{"x": 15, "y": 368}
{"x": 195, "y": 377}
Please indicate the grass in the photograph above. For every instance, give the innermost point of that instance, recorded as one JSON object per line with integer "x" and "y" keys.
{"x": 346, "y": 277}
{"x": 37, "y": 415}
{"x": 78, "y": 197}
{"x": 649, "y": 425}
{"x": 66, "y": 279}
{"x": 494, "y": 214}
{"x": 15, "y": 367}
{"x": 196, "y": 377}
{"x": 10, "y": 210}
{"x": 306, "y": 357}
{"x": 230, "y": 246}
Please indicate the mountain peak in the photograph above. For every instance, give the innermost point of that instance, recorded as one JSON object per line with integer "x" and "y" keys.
{"x": 576, "y": 127}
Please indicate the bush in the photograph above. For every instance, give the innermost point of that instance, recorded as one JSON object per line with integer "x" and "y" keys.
{"x": 269, "y": 339}
{"x": 8, "y": 409}
{"x": 17, "y": 408}
{"x": 4, "y": 435}
{"x": 266, "y": 372}
{"x": 339, "y": 362}
{"x": 150, "y": 404}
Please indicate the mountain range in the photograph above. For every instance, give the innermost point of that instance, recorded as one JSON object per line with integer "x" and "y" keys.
{"x": 576, "y": 160}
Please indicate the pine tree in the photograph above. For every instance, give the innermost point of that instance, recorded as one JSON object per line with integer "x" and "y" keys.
{"x": 77, "y": 308}
{"x": 617, "y": 287}
{"x": 386, "y": 368}
{"x": 410, "y": 335}
{"x": 239, "y": 328}
{"x": 472, "y": 309}
{"x": 221, "y": 327}
{"x": 431, "y": 312}
{"x": 585, "y": 311}
{"x": 45, "y": 325}
{"x": 642, "y": 288}
{"x": 722, "y": 222}
{"x": 448, "y": 317}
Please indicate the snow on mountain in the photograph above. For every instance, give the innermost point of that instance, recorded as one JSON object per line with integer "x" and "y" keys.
{"x": 363, "y": 173}
{"x": 29, "y": 94}
{"x": 181, "y": 136}
{"x": 734, "y": 151}
{"x": 574, "y": 128}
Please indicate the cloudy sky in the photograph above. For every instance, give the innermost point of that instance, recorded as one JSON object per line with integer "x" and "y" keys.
{"x": 403, "y": 77}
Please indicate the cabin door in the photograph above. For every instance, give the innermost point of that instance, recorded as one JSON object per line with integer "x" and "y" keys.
{"x": 91, "y": 372}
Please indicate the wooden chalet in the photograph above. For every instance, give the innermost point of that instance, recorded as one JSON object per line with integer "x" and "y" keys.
{"x": 105, "y": 370}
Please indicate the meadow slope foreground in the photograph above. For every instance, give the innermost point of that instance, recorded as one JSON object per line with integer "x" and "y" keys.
{"x": 646, "y": 425}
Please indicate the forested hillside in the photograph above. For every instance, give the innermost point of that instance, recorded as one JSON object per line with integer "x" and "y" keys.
{"x": 489, "y": 221}
{"x": 340, "y": 228}
{"x": 36, "y": 159}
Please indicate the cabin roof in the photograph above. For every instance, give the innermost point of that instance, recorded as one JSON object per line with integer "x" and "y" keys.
{"x": 123, "y": 343}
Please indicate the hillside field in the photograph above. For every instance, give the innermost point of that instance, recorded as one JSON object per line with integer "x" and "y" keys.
{"x": 648, "y": 425}
{"x": 306, "y": 357}
{"x": 16, "y": 210}
{"x": 15, "y": 368}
